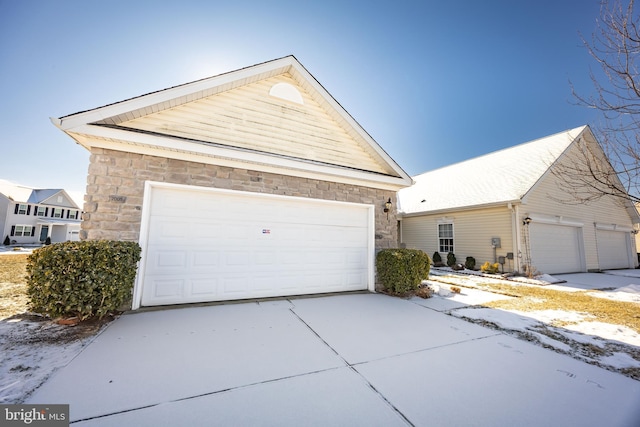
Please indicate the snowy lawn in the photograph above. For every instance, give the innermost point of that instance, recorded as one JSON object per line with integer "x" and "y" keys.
{"x": 598, "y": 327}
{"x": 32, "y": 347}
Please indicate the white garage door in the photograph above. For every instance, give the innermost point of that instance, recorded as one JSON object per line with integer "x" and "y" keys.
{"x": 613, "y": 249}
{"x": 212, "y": 245}
{"x": 556, "y": 248}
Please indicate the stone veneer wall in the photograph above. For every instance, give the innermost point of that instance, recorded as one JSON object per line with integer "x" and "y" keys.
{"x": 115, "y": 187}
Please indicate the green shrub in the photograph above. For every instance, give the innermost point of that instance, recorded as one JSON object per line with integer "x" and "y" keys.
{"x": 7, "y": 241}
{"x": 451, "y": 259}
{"x": 487, "y": 267}
{"x": 81, "y": 279}
{"x": 470, "y": 263}
{"x": 401, "y": 270}
{"x": 437, "y": 259}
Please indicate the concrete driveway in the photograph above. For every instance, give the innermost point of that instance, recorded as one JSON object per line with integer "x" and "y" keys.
{"x": 357, "y": 359}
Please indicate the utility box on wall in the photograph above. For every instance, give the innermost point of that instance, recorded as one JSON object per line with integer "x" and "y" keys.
{"x": 495, "y": 242}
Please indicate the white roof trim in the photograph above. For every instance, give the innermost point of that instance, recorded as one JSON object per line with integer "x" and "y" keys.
{"x": 145, "y": 104}
{"x": 141, "y": 143}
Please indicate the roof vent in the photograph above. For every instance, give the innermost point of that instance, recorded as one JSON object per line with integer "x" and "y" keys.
{"x": 287, "y": 92}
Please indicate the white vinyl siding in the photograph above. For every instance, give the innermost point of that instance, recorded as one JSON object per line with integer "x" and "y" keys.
{"x": 474, "y": 230}
{"x": 248, "y": 117}
{"x": 545, "y": 198}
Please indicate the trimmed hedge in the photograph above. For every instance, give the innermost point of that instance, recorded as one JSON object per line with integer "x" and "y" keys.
{"x": 401, "y": 270}
{"x": 470, "y": 263}
{"x": 81, "y": 279}
{"x": 451, "y": 259}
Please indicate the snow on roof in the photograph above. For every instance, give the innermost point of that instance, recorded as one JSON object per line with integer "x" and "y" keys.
{"x": 23, "y": 194}
{"x": 15, "y": 192}
{"x": 499, "y": 177}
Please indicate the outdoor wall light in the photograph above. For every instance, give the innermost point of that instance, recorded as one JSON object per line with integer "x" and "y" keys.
{"x": 387, "y": 207}
{"x": 526, "y": 221}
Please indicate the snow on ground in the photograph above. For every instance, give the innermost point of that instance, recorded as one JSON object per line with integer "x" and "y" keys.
{"x": 630, "y": 293}
{"x": 614, "y": 347}
{"x": 33, "y": 349}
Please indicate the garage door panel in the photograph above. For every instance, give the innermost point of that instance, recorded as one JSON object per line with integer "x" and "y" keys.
{"x": 204, "y": 287}
{"x": 613, "y": 249}
{"x": 209, "y": 246}
{"x": 556, "y": 248}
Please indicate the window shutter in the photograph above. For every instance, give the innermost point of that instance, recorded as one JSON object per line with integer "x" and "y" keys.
{"x": 46, "y": 211}
{"x": 13, "y": 230}
{"x": 15, "y": 211}
{"x": 35, "y": 210}
{"x": 28, "y": 209}
{"x": 62, "y": 213}
{"x": 33, "y": 231}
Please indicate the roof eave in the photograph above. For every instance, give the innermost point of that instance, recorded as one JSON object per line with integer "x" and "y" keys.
{"x": 499, "y": 204}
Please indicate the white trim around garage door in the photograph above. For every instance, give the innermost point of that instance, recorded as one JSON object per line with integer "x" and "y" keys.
{"x": 219, "y": 204}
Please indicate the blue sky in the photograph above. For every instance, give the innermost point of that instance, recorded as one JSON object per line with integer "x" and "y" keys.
{"x": 433, "y": 82}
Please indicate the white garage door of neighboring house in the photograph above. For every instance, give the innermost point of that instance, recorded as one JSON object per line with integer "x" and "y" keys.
{"x": 614, "y": 249}
{"x": 210, "y": 245}
{"x": 556, "y": 248}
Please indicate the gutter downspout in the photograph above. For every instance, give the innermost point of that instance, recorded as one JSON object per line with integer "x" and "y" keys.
{"x": 517, "y": 237}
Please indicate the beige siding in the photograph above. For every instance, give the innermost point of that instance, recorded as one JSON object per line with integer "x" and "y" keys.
{"x": 473, "y": 231}
{"x": 548, "y": 199}
{"x": 248, "y": 117}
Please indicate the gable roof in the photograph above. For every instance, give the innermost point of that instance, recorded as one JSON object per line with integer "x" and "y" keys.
{"x": 497, "y": 178}
{"x": 230, "y": 120}
{"x": 23, "y": 194}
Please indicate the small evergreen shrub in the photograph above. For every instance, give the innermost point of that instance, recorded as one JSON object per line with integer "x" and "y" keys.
{"x": 402, "y": 270}
{"x": 7, "y": 241}
{"x": 451, "y": 259}
{"x": 470, "y": 263}
{"x": 437, "y": 259}
{"x": 81, "y": 279}
{"x": 490, "y": 268}
{"x": 47, "y": 241}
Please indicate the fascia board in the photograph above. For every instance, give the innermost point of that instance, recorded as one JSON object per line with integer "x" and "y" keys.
{"x": 501, "y": 204}
{"x": 547, "y": 172}
{"x": 349, "y": 119}
{"x": 143, "y": 101}
{"x": 122, "y": 140}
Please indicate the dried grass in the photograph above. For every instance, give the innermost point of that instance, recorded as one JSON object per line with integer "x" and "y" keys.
{"x": 13, "y": 285}
{"x": 534, "y": 298}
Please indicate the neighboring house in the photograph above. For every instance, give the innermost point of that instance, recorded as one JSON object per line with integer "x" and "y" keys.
{"x": 30, "y": 215}
{"x": 253, "y": 183}
{"x": 509, "y": 204}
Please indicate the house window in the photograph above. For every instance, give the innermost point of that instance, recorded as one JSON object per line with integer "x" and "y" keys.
{"x": 72, "y": 214}
{"x": 22, "y": 209}
{"x": 22, "y": 230}
{"x": 41, "y": 211}
{"x": 445, "y": 238}
{"x": 57, "y": 213}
